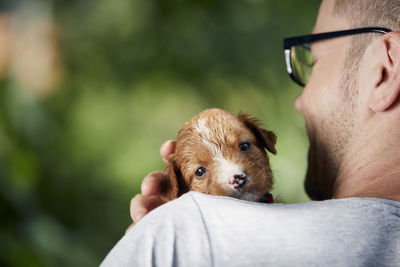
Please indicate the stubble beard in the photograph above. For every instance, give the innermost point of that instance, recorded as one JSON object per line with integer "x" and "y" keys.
{"x": 329, "y": 144}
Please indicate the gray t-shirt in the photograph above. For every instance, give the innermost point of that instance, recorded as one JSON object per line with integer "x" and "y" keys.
{"x": 203, "y": 230}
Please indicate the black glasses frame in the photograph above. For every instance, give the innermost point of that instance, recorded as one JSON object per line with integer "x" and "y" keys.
{"x": 288, "y": 43}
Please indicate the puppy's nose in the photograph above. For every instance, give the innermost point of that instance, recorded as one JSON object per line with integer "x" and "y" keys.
{"x": 239, "y": 180}
{"x": 240, "y": 176}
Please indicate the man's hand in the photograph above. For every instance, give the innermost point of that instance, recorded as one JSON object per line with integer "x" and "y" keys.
{"x": 150, "y": 199}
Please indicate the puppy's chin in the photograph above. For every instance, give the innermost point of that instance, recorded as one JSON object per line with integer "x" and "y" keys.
{"x": 249, "y": 196}
{"x": 244, "y": 193}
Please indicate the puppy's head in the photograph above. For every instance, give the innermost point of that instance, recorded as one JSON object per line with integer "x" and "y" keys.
{"x": 220, "y": 153}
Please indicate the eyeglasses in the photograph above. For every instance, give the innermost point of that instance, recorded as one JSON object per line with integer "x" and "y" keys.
{"x": 298, "y": 57}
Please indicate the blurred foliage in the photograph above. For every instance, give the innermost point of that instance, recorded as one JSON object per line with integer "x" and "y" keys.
{"x": 129, "y": 74}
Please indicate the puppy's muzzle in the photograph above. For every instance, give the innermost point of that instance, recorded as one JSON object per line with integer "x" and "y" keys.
{"x": 239, "y": 180}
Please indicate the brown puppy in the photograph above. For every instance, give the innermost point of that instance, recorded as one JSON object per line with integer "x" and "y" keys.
{"x": 219, "y": 153}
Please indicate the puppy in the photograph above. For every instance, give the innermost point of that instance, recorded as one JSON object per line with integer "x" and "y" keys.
{"x": 219, "y": 153}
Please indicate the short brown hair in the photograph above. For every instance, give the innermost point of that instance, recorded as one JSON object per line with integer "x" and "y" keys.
{"x": 364, "y": 13}
{"x": 369, "y": 13}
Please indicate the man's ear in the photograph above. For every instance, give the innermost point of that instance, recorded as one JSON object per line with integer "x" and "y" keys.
{"x": 387, "y": 87}
{"x": 170, "y": 186}
{"x": 266, "y": 138}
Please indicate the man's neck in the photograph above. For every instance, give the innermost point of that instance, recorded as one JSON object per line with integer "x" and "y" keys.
{"x": 376, "y": 175}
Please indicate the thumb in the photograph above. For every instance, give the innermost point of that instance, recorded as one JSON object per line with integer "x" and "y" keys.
{"x": 167, "y": 149}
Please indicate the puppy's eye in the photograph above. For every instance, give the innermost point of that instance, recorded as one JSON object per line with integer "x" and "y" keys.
{"x": 201, "y": 171}
{"x": 244, "y": 146}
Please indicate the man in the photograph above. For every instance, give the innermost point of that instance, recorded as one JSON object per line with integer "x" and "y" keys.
{"x": 351, "y": 105}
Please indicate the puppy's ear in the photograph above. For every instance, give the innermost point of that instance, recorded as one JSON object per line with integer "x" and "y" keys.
{"x": 266, "y": 138}
{"x": 170, "y": 186}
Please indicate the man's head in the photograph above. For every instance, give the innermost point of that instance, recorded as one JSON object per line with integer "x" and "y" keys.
{"x": 338, "y": 100}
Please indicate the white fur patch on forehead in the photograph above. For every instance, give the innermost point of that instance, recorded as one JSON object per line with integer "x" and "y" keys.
{"x": 206, "y": 136}
{"x": 202, "y": 128}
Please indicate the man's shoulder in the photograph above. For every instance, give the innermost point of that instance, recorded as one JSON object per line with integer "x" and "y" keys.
{"x": 332, "y": 217}
{"x": 350, "y": 207}
{"x": 208, "y": 203}
{"x": 306, "y": 233}
{"x": 204, "y": 230}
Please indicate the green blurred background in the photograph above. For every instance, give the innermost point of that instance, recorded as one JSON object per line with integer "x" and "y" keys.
{"x": 89, "y": 90}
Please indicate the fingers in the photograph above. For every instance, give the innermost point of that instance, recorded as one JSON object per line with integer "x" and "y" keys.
{"x": 141, "y": 205}
{"x": 150, "y": 199}
{"x": 151, "y": 184}
{"x": 167, "y": 148}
